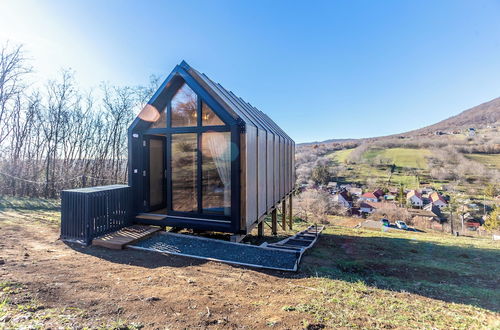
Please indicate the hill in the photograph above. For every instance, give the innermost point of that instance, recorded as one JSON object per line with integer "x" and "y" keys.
{"x": 482, "y": 115}
{"x": 485, "y": 114}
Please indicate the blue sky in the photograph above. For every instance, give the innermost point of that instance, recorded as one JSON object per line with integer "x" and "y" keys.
{"x": 320, "y": 69}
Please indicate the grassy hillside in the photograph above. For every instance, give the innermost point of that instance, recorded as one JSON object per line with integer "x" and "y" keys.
{"x": 402, "y": 157}
{"x": 406, "y": 160}
{"x": 341, "y": 155}
{"x": 354, "y": 278}
{"x": 417, "y": 278}
{"x": 491, "y": 161}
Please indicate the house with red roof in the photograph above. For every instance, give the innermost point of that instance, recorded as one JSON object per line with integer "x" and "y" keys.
{"x": 368, "y": 197}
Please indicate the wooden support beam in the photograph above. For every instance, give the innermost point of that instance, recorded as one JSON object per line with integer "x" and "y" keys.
{"x": 274, "y": 227}
{"x": 260, "y": 229}
{"x": 290, "y": 212}
{"x": 283, "y": 214}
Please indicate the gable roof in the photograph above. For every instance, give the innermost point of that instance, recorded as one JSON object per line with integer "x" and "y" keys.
{"x": 369, "y": 195}
{"x": 240, "y": 110}
{"x": 437, "y": 197}
{"x": 378, "y": 205}
{"x": 346, "y": 196}
{"x": 412, "y": 193}
{"x": 378, "y": 193}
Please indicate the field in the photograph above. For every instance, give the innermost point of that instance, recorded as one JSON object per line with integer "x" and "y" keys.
{"x": 341, "y": 155}
{"x": 491, "y": 161}
{"x": 402, "y": 157}
{"x": 352, "y": 278}
{"x": 405, "y": 159}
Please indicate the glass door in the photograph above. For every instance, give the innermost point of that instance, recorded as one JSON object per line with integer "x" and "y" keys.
{"x": 156, "y": 173}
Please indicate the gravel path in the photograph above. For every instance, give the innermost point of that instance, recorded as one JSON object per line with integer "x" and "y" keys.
{"x": 220, "y": 250}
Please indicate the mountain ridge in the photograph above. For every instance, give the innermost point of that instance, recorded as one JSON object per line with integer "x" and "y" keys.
{"x": 484, "y": 114}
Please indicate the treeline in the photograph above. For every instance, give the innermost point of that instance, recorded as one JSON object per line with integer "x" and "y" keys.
{"x": 58, "y": 136}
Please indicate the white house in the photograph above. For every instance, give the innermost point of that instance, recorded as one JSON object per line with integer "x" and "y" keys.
{"x": 343, "y": 199}
{"x": 438, "y": 200}
{"x": 414, "y": 198}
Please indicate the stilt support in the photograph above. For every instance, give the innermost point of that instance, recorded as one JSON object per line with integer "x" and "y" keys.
{"x": 283, "y": 214}
{"x": 260, "y": 229}
{"x": 274, "y": 224}
{"x": 290, "y": 212}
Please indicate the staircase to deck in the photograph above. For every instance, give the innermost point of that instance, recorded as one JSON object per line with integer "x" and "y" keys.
{"x": 128, "y": 235}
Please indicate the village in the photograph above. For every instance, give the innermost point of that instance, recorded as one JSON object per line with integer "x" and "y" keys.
{"x": 424, "y": 208}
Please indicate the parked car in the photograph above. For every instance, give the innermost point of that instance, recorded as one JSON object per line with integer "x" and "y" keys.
{"x": 401, "y": 225}
{"x": 385, "y": 222}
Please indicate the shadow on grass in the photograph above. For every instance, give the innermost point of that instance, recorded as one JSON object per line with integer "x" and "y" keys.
{"x": 448, "y": 273}
{"x": 29, "y": 204}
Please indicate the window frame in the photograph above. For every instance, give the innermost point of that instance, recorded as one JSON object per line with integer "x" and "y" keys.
{"x": 199, "y": 129}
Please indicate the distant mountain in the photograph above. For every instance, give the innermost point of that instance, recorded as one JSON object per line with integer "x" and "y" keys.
{"x": 485, "y": 114}
{"x": 482, "y": 115}
{"x": 328, "y": 141}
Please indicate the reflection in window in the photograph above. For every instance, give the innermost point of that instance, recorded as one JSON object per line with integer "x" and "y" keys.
{"x": 184, "y": 107}
{"x": 208, "y": 116}
{"x": 184, "y": 169}
{"x": 216, "y": 169}
{"x": 161, "y": 122}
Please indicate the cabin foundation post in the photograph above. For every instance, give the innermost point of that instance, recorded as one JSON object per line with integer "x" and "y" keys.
{"x": 274, "y": 224}
{"x": 290, "y": 212}
{"x": 260, "y": 229}
{"x": 283, "y": 214}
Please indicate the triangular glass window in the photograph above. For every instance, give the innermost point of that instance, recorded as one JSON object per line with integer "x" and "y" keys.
{"x": 208, "y": 116}
{"x": 183, "y": 106}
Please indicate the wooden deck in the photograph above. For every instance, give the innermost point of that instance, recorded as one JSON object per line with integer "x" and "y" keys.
{"x": 128, "y": 235}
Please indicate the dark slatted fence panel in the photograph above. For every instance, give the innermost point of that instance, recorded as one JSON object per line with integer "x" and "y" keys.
{"x": 87, "y": 213}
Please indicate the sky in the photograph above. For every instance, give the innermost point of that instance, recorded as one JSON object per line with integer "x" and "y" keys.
{"x": 320, "y": 69}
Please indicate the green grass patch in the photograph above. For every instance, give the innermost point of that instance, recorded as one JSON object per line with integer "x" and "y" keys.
{"x": 340, "y": 156}
{"x": 29, "y": 203}
{"x": 402, "y": 157}
{"x": 491, "y": 161}
{"x": 403, "y": 280}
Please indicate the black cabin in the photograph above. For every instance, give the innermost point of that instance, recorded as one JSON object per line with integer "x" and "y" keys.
{"x": 201, "y": 157}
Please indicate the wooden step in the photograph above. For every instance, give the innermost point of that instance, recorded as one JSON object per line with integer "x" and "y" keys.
{"x": 128, "y": 235}
{"x": 150, "y": 216}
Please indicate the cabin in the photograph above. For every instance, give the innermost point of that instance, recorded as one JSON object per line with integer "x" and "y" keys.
{"x": 202, "y": 158}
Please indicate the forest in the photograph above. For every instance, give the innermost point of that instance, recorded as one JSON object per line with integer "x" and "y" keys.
{"x": 55, "y": 135}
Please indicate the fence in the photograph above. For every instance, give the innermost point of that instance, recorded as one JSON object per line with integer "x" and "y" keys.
{"x": 87, "y": 213}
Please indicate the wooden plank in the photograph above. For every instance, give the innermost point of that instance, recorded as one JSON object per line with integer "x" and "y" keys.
{"x": 283, "y": 214}
{"x": 290, "y": 223}
{"x": 151, "y": 216}
{"x": 118, "y": 239}
{"x": 274, "y": 224}
{"x": 260, "y": 229}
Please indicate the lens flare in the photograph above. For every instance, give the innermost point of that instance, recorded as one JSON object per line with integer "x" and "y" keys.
{"x": 149, "y": 113}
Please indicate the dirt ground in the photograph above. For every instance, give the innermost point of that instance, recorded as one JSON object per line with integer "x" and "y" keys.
{"x": 147, "y": 289}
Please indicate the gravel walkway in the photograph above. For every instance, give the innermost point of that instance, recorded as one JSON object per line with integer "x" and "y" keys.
{"x": 212, "y": 249}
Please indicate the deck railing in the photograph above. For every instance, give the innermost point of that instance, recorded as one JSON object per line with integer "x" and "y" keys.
{"x": 87, "y": 213}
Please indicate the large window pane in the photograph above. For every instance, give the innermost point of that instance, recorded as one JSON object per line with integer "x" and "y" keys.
{"x": 216, "y": 169}
{"x": 184, "y": 170}
{"x": 208, "y": 116}
{"x": 156, "y": 167}
{"x": 184, "y": 107}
